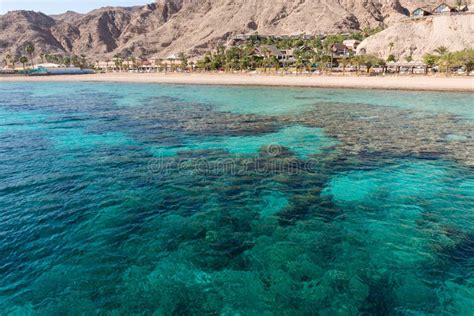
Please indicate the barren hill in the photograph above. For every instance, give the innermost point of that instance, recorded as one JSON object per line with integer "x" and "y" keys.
{"x": 420, "y": 36}
{"x": 172, "y": 26}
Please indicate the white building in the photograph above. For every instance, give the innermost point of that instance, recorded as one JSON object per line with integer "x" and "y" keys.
{"x": 351, "y": 44}
{"x": 48, "y": 65}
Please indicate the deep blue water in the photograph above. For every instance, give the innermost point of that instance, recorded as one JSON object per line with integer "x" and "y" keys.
{"x": 195, "y": 200}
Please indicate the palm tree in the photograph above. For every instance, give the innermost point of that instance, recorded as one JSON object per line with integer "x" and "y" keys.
{"x": 344, "y": 62}
{"x": 358, "y": 60}
{"x": 75, "y": 61}
{"x": 447, "y": 61}
{"x": 391, "y": 45}
{"x": 266, "y": 58}
{"x": 23, "y": 60}
{"x": 118, "y": 62}
{"x": 67, "y": 61}
{"x": 83, "y": 61}
{"x": 14, "y": 61}
{"x": 159, "y": 64}
{"x": 466, "y": 59}
{"x": 30, "y": 49}
{"x": 430, "y": 60}
{"x": 9, "y": 59}
{"x": 441, "y": 50}
{"x": 184, "y": 61}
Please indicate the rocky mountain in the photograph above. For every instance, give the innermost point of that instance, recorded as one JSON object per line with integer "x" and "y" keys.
{"x": 415, "y": 38}
{"x": 193, "y": 26}
{"x": 68, "y": 16}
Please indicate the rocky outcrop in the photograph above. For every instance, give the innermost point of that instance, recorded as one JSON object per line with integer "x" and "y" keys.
{"x": 68, "y": 16}
{"x": 421, "y": 36}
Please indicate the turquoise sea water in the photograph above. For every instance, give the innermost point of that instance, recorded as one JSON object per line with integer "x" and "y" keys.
{"x": 194, "y": 200}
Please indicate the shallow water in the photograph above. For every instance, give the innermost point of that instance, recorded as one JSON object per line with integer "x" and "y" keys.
{"x": 169, "y": 199}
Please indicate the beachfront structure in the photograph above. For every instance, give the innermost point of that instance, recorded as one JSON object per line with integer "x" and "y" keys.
{"x": 407, "y": 67}
{"x": 339, "y": 50}
{"x": 48, "y": 71}
{"x": 351, "y": 44}
{"x": 104, "y": 65}
{"x": 443, "y": 8}
{"x": 172, "y": 57}
{"x": 270, "y": 50}
{"x": 418, "y": 12}
{"x": 463, "y": 8}
{"x": 238, "y": 40}
{"x": 48, "y": 65}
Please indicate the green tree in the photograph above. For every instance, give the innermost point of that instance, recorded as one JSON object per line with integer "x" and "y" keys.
{"x": 344, "y": 62}
{"x": 30, "y": 49}
{"x": 430, "y": 60}
{"x": 357, "y": 36}
{"x": 465, "y": 58}
{"x": 391, "y": 45}
{"x": 8, "y": 59}
{"x": 358, "y": 60}
{"x": 67, "y": 61}
{"x": 14, "y": 60}
{"x": 447, "y": 61}
{"x": 391, "y": 58}
{"x": 367, "y": 31}
{"x": 118, "y": 61}
{"x": 24, "y": 60}
{"x": 441, "y": 50}
{"x": 183, "y": 60}
{"x": 331, "y": 40}
{"x": 205, "y": 63}
{"x": 370, "y": 61}
{"x": 159, "y": 64}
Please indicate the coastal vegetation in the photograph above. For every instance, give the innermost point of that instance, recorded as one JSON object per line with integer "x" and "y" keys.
{"x": 23, "y": 60}
{"x": 77, "y": 61}
{"x": 319, "y": 56}
{"x": 271, "y": 55}
{"x": 447, "y": 60}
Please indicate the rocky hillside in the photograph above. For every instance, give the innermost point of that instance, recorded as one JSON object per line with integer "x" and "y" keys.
{"x": 172, "y": 26}
{"x": 417, "y": 37}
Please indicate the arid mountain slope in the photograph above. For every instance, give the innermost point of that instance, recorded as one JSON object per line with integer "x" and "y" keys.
{"x": 422, "y": 36}
{"x": 172, "y": 26}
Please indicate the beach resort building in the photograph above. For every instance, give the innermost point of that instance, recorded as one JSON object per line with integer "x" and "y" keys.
{"x": 351, "y": 44}
{"x": 443, "y": 8}
{"x": 339, "y": 50}
{"x": 419, "y": 12}
{"x": 462, "y": 8}
{"x": 48, "y": 65}
{"x": 270, "y": 51}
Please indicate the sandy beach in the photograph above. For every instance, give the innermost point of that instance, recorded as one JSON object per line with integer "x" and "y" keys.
{"x": 432, "y": 83}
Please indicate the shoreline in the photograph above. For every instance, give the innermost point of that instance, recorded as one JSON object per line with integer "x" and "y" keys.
{"x": 408, "y": 83}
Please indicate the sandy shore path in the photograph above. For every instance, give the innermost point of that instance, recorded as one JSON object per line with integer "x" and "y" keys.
{"x": 336, "y": 81}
